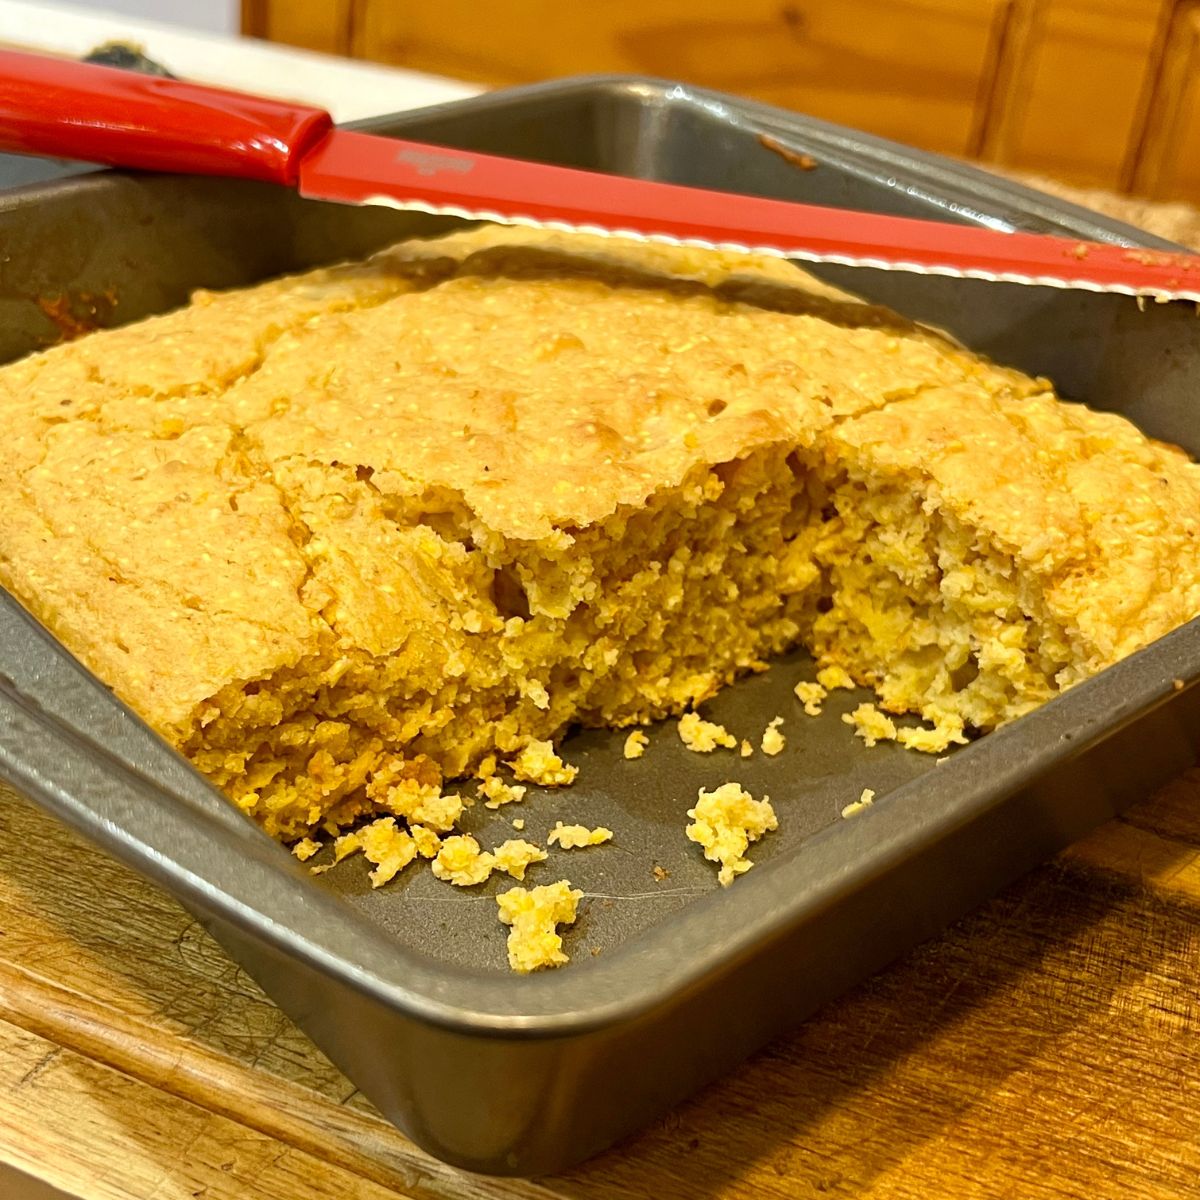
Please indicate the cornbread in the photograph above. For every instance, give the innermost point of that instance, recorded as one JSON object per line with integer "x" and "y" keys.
{"x": 538, "y": 763}
{"x": 635, "y": 744}
{"x": 516, "y": 855}
{"x": 831, "y": 678}
{"x": 874, "y": 726}
{"x": 534, "y": 914}
{"x": 576, "y": 837}
{"x": 428, "y": 843}
{"x": 384, "y": 844}
{"x": 811, "y": 695}
{"x": 773, "y": 741}
{"x": 496, "y": 792}
{"x": 865, "y": 800}
{"x": 724, "y": 823}
{"x": 461, "y": 862}
{"x": 346, "y": 536}
{"x": 702, "y": 736}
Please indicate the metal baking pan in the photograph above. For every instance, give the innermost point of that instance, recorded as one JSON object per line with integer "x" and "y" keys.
{"x": 673, "y": 980}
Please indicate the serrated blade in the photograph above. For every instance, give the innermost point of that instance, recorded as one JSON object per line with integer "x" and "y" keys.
{"x": 357, "y": 168}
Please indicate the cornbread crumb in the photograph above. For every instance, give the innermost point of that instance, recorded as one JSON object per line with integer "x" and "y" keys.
{"x": 534, "y": 942}
{"x": 347, "y": 844}
{"x": 635, "y": 744}
{"x": 538, "y": 763}
{"x": 724, "y": 822}
{"x": 660, "y": 873}
{"x": 833, "y": 677}
{"x": 390, "y": 848}
{"x": 494, "y": 792}
{"x": 746, "y": 749}
{"x": 810, "y": 695}
{"x": 870, "y": 724}
{"x": 414, "y": 800}
{"x": 864, "y": 801}
{"x": 518, "y": 823}
{"x": 932, "y": 741}
{"x": 428, "y": 842}
{"x": 515, "y": 856}
{"x": 773, "y": 741}
{"x": 461, "y": 862}
{"x": 703, "y": 736}
{"x": 305, "y": 848}
{"x": 572, "y": 837}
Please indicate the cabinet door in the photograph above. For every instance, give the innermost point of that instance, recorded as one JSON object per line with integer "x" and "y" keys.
{"x": 311, "y": 24}
{"x": 1169, "y": 165}
{"x": 917, "y": 70}
{"x": 1073, "y": 88}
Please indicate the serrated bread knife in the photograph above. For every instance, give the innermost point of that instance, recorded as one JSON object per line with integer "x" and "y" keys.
{"x": 67, "y": 109}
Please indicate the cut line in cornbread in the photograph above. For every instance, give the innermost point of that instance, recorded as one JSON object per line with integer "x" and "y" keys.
{"x": 345, "y": 536}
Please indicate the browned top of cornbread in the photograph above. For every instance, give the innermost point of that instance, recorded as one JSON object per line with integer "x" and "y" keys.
{"x": 213, "y": 495}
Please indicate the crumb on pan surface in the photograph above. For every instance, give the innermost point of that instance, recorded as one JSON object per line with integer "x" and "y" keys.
{"x": 495, "y": 792}
{"x": 863, "y": 802}
{"x": 703, "y": 737}
{"x": 346, "y": 536}
{"x": 305, "y": 848}
{"x": 724, "y": 823}
{"x": 516, "y": 855}
{"x": 427, "y": 841}
{"x": 635, "y": 744}
{"x": 871, "y": 725}
{"x": 574, "y": 837}
{"x": 382, "y": 843}
{"x": 534, "y": 942}
{"x": 811, "y": 695}
{"x": 460, "y": 861}
{"x": 773, "y": 741}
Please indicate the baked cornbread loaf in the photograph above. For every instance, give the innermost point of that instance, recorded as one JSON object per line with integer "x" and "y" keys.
{"x": 343, "y": 536}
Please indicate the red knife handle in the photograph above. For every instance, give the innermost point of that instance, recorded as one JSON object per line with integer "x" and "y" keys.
{"x": 66, "y": 109}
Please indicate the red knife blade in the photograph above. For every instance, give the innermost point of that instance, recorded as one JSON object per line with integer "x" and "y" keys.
{"x": 104, "y": 115}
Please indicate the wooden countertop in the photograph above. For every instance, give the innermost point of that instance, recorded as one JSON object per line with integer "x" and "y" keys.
{"x": 1048, "y": 1046}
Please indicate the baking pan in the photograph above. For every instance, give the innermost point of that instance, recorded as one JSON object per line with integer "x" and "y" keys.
{"x": 673, "y": 979}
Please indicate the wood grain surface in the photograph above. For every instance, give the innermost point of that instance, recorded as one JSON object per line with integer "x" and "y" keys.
{"x": 1046, "y": 1047}
{"x": 1064, "y": 87}
{"x": 917, "y": 70}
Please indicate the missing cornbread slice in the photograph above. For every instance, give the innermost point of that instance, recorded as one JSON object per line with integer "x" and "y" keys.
{"x": 345, "y": 536}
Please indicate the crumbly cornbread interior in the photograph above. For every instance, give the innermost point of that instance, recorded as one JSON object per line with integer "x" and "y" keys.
{"x": 345, "y": 535}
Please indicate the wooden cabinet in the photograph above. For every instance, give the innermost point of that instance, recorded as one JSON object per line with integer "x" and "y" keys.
{"x": 1168, "y": 167}
{"x": 1073, "y": 86}
{"x": 310, "y": 24}
{"x": 910, "y": 69}
{"x": 1101, "y": 93}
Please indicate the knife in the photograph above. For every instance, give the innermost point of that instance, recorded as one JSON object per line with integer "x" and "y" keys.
{"x": 67, "y": 109}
